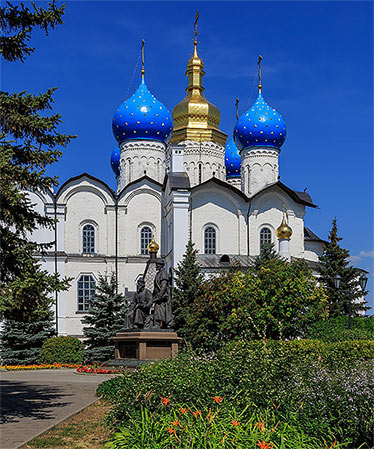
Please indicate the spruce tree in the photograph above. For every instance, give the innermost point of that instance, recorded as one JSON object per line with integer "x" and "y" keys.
{"x": 335, "y": 261}
{"x": 29, "y": 143}
{"x": 106, "y": 315}
{"x": 188, "y": 281}
{"x": 267, "y": 253}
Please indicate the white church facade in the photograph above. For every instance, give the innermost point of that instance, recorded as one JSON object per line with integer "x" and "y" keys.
{"x": 177, "y": 179}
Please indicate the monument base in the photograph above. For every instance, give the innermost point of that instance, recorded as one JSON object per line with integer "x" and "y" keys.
{"x": 146, "y": 344}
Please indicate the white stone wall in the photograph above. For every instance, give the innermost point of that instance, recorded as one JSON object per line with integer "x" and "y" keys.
{"x": 226, "y": 212}
{"x": 267, "y": 211}
{"x": 203, "y": 160}
{"x": 235, "y": 182}
{"x": 259, "y": 167}
{"x": 139, "y": 158}
{"x": 138, "y": 206}
{"x": 313, "y": 250}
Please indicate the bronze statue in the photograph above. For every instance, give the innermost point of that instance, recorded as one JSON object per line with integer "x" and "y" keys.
{"x": 151, "y": 310}
{"x": 162, "y": 315}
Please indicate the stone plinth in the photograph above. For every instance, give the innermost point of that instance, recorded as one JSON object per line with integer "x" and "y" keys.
{"x": 146, "y": 344}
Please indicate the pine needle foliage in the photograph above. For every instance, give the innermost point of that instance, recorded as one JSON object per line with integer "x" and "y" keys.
{"x": 106, "y": 315}
{"x": 188, "y": 283}
{"x": 335, "y": 261}
{"x": 267, "y": 253}
{"x": 29, "y": 143}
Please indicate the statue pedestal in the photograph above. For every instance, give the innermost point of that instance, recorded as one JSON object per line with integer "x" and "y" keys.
{"x": 146, "y": 344}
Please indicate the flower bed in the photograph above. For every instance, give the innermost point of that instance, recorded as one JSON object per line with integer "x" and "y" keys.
{"x": 93, "y": 369}
{"x": 39, "y": 366}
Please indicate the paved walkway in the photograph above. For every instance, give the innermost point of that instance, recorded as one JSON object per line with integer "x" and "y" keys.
{"x": 34, "y": 401}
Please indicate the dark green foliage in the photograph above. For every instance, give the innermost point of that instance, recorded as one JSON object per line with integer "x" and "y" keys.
{"x": 188, "y": 281}
{"x": 336, "y": 329}
{"x": 267, "y": 253}
{"x": 17, "y": 22}
{"x": 325, "y": 388}
{"x": 21, "y": 342}
{"x": 105, "y": 318}
{"x": 335, "y": 261}
{"x": 279, "y": 300}
{"x": 63, "y": 349}
{"x": 29, "y": 143}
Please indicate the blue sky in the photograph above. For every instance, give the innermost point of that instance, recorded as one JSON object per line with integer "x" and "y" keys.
{"x": 317, "y": 72}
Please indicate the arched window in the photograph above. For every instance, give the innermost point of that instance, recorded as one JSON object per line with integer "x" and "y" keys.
{"x": 265, "y": 236}
{"x": 88, "y": 239}
{"x": 210, "y": 240}
{"x": 86, "y": 290}
{"x": 200, "y": 173}
{"x": 145, "y": 239}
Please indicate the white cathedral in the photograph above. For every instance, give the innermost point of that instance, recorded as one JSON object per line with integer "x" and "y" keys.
{"x": 177, "y": 179}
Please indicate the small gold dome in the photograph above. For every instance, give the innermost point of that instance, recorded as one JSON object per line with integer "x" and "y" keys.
{"x": 284, "y": 231}
{"x": 153, "y": 247}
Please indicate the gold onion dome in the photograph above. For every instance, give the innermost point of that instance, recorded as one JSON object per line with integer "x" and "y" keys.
{"x": 153, "y": 247}
{"x": 195, "y": 118}
{"x": 284, "y": 231}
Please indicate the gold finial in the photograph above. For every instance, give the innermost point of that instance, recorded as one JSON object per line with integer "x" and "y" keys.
{"x": 153, "y": 247}
{"x": 259, "y": 72}
{"x": 284, "y": 231}
{"x": 143, "y": 71}
{"x": 237, "y": 107}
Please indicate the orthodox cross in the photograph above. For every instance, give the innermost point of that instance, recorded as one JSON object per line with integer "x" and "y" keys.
{"x": 195, "y": 25}
{"x": 237, "y": 108}
{"x": 143, "y": 71}
{"x": 259, "y": 72}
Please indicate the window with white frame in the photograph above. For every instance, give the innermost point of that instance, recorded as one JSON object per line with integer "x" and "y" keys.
{"x": 86, "y": 290}
{"x": 145, "y": 239}
{"x": 265, "y": 236}
{"x": 210, "y": 240}
{"x": 88, "y": 239}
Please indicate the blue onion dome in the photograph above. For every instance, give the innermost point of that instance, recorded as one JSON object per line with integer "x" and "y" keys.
{"x": 142, "y": 116}
{"x": 232, "y": 160}
{"x": 114, "y": 161}
{"x": 260, "y": 126}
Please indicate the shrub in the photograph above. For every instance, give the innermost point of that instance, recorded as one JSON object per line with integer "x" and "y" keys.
{"x": 279, "y": 300}
{"x": 215, "y": 426}
{"x": 262, "y": 375}
{"x": 62, "y": 350}
{"x": 336, "y": 329}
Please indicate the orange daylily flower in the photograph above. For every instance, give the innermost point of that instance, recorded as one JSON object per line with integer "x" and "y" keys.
{"x": 263, "y": 445}
{"x": 235, "y": 423}
{"x": 165, "y": 401}
{"x": 175, "y": 423}
{"x": 171, "y": 430}
{"x": 217, "y": 399}
{"x": 196, "y": 414}
{"x": 183, "y": 410}
{"x": 261, "y": 426}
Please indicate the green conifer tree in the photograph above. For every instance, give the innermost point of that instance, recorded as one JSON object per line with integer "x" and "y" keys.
{"x": 335, "y": 261}
{"x": 29, "y": 143}
{"x": 106, "y": 315}
{"x": 188, "y": 281}
{"x": 267, "y": 253}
